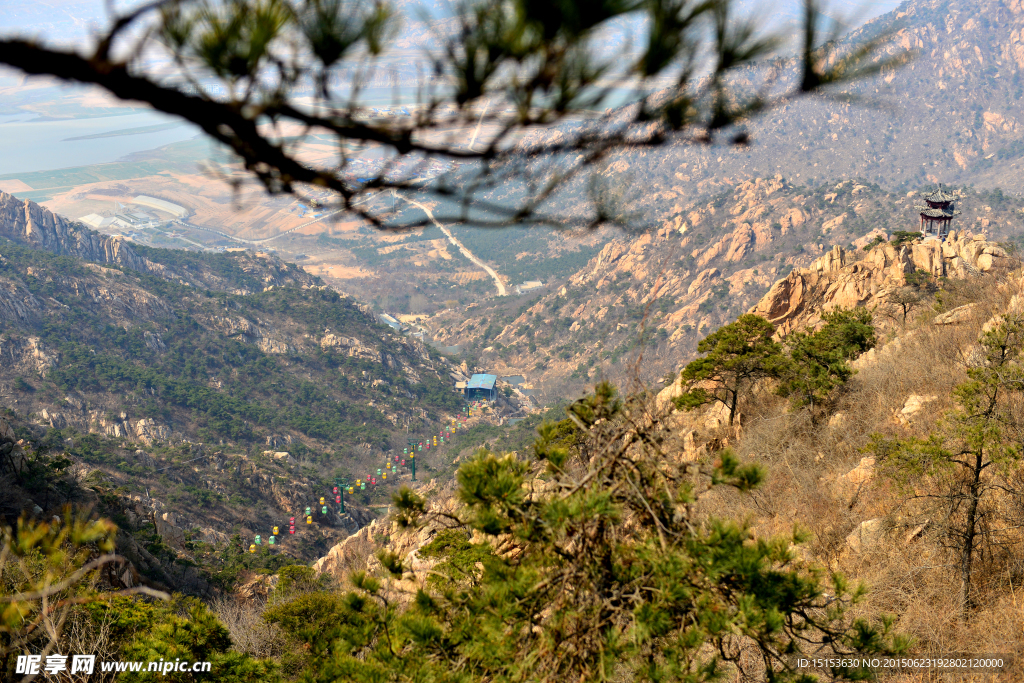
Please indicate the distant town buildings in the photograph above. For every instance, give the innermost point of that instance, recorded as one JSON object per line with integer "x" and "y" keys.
{"x": 128, "y": 219}
{"x": 131, "y": 218}
{"x": 96, "y": 221}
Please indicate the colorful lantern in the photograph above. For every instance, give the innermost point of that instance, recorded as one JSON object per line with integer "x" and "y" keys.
{"x": 324, "y": 511}
{"x": 335, "y": 490}
{"x": 309, "y": 520}
{"x": 309, "y": 511}
{"x": 291, "y": 530}
{"x": 271, "y": 540}
{"x": 252, "y": 548}
{"x": 337, "y": 499}
{"x": 275, "y": 531}
{"x": 321, "y": 500}
{"x": 258, "y": 542}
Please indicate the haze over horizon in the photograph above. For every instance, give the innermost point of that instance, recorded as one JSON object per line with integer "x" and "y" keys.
{"x": 489, "y": 379}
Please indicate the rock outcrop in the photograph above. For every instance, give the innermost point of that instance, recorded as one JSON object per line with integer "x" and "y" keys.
{"x": 358, "y": 551}
{"x": 28, "y": 223}
{"x": 12, "y": 455}
{"x": 837, "y": 280}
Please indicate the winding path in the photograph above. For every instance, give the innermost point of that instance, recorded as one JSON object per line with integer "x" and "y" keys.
{"x": 461, "y": 247}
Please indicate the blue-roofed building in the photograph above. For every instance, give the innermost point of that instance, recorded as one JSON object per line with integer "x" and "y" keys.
{"x": 481, "y": 386}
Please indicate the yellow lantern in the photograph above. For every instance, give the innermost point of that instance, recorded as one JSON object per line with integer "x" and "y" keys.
{"x": 385, "y": 475}
{"x": 275, "y": 531}
{"x": 321, "y": 501}
{"x": 309, "y": 520}
{"x": 252, "y": 548}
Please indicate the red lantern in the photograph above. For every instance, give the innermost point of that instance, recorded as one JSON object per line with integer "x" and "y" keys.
{"x": 337, "y": 499}
{"x": 335, "y": 490}
{"x": 291, "y": 530}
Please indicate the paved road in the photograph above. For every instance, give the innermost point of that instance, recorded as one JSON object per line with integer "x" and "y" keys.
{"x": 265, "y": 239}
{"x": 461, "y": 247}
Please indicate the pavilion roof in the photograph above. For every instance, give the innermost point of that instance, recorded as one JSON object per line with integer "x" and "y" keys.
{"x": 937, "y": 212}
{"x": 939, "y": 195}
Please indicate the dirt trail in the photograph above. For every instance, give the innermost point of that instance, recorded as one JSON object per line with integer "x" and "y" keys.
{"x": 461, "y": 247}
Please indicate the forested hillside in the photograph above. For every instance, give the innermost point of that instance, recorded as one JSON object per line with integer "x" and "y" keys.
{"x": 195, "y": 396}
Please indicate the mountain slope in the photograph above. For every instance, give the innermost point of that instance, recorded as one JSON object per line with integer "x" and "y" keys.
{"x": 952, "y": 115}
{"x": 659, "y": 293}
{"x": 202, "y": 393}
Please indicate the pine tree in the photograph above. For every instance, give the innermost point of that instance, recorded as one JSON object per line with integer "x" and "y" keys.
{"x": 735, "y": 357}
{"x": 598, "y": 568}
{"x": 819, "y": 361}
{"x": 957, "y": 471}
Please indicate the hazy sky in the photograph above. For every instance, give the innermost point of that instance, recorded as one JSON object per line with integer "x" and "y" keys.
{"x": 71, "y": 20}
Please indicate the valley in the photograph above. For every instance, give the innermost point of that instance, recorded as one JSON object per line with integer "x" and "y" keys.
{"x": 684, "y": 408}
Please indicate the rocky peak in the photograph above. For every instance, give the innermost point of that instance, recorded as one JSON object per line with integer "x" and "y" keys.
{"x": 26, "y": 222}
{"x": 838, "y": 279}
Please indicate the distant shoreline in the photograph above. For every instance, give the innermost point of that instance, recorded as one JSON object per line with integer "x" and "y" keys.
{"x": 128, "y": 131}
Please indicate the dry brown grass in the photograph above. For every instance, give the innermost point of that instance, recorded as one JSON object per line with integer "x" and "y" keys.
{"x": 912, "y": 578}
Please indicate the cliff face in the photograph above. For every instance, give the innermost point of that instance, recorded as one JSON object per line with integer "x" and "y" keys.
{"x": 837, "y": 280}
{"x": 26, "y": 222}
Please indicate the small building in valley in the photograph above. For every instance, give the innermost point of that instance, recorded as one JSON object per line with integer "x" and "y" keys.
{"x": 481, "y": 386}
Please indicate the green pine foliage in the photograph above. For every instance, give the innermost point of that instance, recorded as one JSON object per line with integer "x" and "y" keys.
{"x": 807, "y": 367}
{"x": 188, "y": 631}
{"x": 819, "y": 361}
{"x": 584, "y": 563}
{"x": 955, "y": 477}
{"x": 735, "y": 357}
